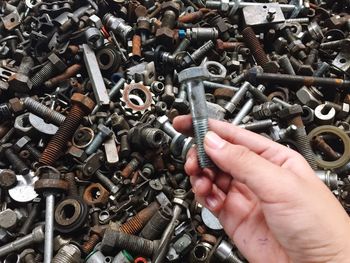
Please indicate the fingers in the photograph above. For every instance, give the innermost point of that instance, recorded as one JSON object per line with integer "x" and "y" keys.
{"x": 272, "y": 151}
{"x": 267, "y": 180}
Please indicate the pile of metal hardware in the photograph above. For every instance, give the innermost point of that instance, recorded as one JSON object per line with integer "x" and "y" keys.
{"x": 91, "y": 168}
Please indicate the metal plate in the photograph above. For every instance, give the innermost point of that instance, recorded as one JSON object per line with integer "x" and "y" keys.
{"x": 257, "y": 15}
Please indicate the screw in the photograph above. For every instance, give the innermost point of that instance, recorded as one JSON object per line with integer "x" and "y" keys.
{"x": 257, "y": 50}
{"x": 44, "y": 112}
{"x": 36, "y": 236}
{"x": 48, "y": 70}
{"x": 237, "y": 97}
{"x": 257, "y": 125}
{"x": 197, "y": 56}
{"x": 103, "y": 133}
{"x": 17, "y": 164}
{"x": 292, "y": 80}
{"x": 49, "y": 185}
{"x": 71, "y": 71}
{"x": 68, "y": 254}
{"x": 286, "y": 65}
{"x": 157, "y": 224}
{"x": 137, "y": 222}
{"x": 81, "y": 106}
{"x": 30, "y": 220}
{"x": 271, "y": 14}
{"x": 72, "y": 185}
{"x": 134, "y": 163}
{"x": 96, "y": 234}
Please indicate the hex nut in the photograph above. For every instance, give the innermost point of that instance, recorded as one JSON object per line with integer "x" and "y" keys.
{"x": 165, "y": 35}
{"x": 344, "y": 112}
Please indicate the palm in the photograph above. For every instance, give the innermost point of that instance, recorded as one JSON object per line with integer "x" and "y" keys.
{"x": 244, "y": 221}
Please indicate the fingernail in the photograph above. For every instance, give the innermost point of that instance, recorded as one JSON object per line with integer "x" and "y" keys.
{"x": 213, "y": 141}
{"x": 197, "y": 184}
{"x": 212, "y": 202}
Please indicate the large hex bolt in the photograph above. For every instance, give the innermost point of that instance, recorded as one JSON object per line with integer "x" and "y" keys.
{"x": 36, "y": 236}
{"x": 192, "y": 78}
{"x": 103, "y": 133}
{"x": 81, "y": 105}
{"x": 55, "y": 65}
{"x": 24, "y": 144}
{"x": 19, "y": 82}
{"x": 171, "y": 11}
{"x": 180, "y": 144}
{"x": 49, "y": 185}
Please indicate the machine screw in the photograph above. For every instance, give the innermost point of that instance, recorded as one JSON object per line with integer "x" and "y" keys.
{"x": 36, "y": 236}
{"x": 81, "y": 106}
{"x": 44, "y": 112}
{"x": 103, "y": 133}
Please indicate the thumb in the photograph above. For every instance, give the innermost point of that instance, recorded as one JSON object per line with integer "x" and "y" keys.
{"x": 264, "y": 178}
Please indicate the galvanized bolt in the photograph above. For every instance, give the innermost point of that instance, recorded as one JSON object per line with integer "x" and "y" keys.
{"x": 103, "y": 133}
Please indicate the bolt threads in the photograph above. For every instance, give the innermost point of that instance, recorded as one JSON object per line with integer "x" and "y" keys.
{"x": 134, "y": 244}
{"x": 157, "y": 224}
{"x": 5, "y": 112}
{"x": 68, "y": 253}
{"x": 72, "y": 185}
{"x": 43, "y": 74}
{"x": 33, "y": 151}
{"x": 201, "y": 128}
{"x": 43, "y": 111}
{"x": 89, "y": 245}
{"x": 199, "y": 54}
{"x": 255, "y": 47}
{"x": 65, "y": 132}
{"x": 16, "y": 162}
{"x": 136, "y": 223}
{"x": 304, "y": 146}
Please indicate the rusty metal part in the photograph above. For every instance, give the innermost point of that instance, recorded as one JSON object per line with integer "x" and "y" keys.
{"x": 95, "y": 195}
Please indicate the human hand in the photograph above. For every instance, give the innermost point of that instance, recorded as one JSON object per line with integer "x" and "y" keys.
{"x": 267, "y": 198}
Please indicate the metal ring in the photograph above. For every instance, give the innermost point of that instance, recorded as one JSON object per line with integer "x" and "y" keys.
{"x": 346, "y": 141}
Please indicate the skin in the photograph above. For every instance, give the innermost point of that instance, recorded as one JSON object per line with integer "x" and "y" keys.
{"x": 267, "y": 197}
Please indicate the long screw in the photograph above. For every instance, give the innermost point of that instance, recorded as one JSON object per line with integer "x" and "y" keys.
{"x": 36, "y": 236}
{"x": 292, "y": 80}
{"x": 44, "y": 112}
{"x": 30, "y": 219}
{"x": 49, "y": 185}
{"x": 16, "y": 162}
{"x": 81, "y": 105}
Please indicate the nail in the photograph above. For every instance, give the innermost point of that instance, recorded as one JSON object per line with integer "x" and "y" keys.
{"x": 213, "y": 141}
{"x": 212, "y": 202}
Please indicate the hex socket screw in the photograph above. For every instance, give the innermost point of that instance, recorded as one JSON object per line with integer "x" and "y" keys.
{"x": 16, "y": 162}
{"x": 103, "y": 133}
{"x": 36, "y": 236}
{"x": 81, "y": 105}
{"x": 49, "y": 185}
{"x": 44, "y": 112}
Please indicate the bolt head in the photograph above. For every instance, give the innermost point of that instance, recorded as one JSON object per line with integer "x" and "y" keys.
{"x": 16, "y": 105}
{"x": 20, "y": 83}
{"x": 165, "y": 35}
{"x": 105, "y": 130}
{"x": 171, "y": 5}
{"x": 57, "y": 62}
{"x": 84, "y": 101}
{"x": 160, "y": 121}
{"x": 18, "y": 146}
{"x": 181, "y": 105}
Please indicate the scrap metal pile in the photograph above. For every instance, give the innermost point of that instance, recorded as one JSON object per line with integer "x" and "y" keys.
{"x": 91, "y": 168}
